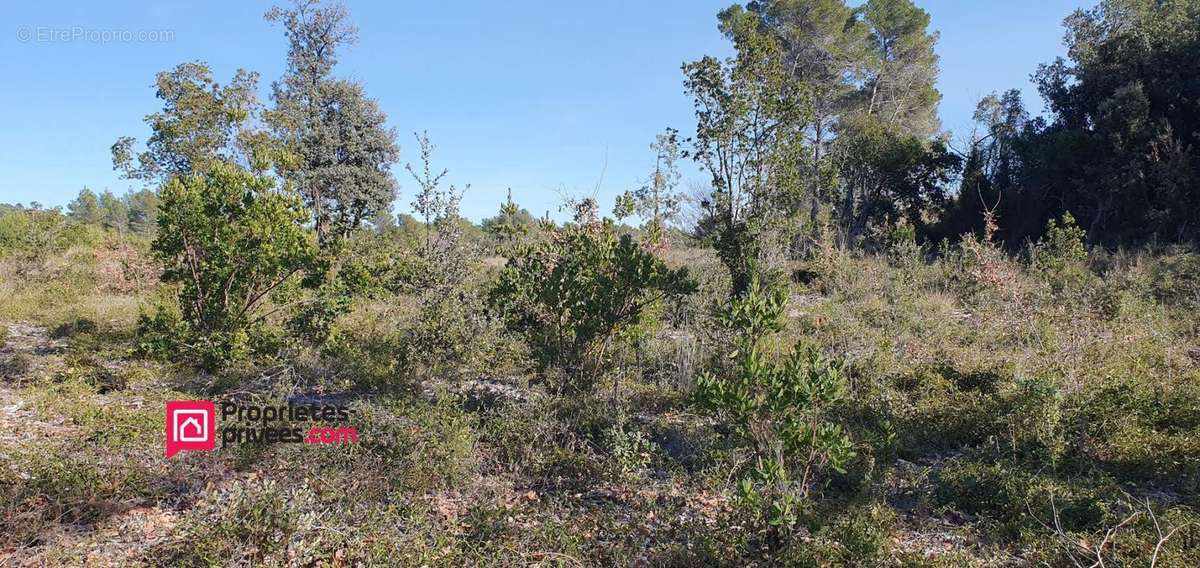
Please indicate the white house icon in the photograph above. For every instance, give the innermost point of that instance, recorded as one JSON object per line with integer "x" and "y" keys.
{"x": 191, "y": 425}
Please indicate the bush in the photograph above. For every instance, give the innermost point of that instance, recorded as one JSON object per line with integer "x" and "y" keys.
{"x": 1059, "y": 256}
{"x": 779, "y": 407}
{"x": 254, "y": 522}
{"x": 575, "y": 294}
{"x": 233, "y": 245}
{"x": 1176, "y": 280}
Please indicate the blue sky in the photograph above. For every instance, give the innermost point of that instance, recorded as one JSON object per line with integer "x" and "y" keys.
{"x": 548, "y": 98}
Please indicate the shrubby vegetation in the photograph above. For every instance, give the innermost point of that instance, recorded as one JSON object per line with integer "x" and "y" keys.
{"x": 579, "y": 291}
{"x": 869, "y": 349}
{"x": 233, "y": 246}
{"x": 779, "y": 406}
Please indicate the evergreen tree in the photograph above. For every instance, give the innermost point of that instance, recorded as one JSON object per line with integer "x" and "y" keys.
{"x": 340, "y": 149}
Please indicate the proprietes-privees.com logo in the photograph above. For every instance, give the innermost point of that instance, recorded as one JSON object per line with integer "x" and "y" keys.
{"x": 192, "y": 425}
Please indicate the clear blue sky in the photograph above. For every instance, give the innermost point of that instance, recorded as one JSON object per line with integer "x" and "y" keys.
{"x": 534, "y": 95}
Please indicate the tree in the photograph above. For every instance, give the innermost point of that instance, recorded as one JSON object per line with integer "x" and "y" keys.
{"x": 30, "y": 236}
{"x": 232, "y": 244}
{"x": 659, "y": 200}
{"x": 886, "y": 174}
{"x": 202, "y": 125}
{"x": 993, "y": 172}
{"x": 510, "y": 225}
{"x": 824, "y": 48}
{"x": 869, "y": 75}
{"x": 1118, "y": 151}
{"x": 114, "y": 212}
{"x": 750, "y": 116}
{"x": 901, "y": 67}
{"x": 340, "y": 149}
{"x": 143, "y": 211}
{"x": 1127, "y": 112}
{"x": 85, "y": 208}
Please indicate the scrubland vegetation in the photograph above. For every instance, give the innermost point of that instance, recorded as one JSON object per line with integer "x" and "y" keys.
{"x": 862, "y": 352}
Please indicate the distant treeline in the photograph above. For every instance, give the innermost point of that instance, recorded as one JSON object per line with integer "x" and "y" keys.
{"x": 824, "y": 120}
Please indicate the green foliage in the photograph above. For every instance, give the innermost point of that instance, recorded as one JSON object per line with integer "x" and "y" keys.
{"x": 32, "y": 236}
{"x": 315, "y": 319}
{"x": 872, "y": 151}
{"x": 899, "y": 44}
{"x": 510, "y": 225}
{"x": 631, "y": 449}
{"x": 1041, "y": 413}
{"x": 658, "y": 201}
{"x": 251, "y": 522}
{"x": 750, "y": 118}
{"x": 862, "y": 536}
{"x": 779, "y": 407}
{"x": 1176, "y": 279}
{"x": 887, "y": 174}
{"x": 336, "y": 147}
{"x": 85, "y": 208}
{"x": 1061, "y": 247}
{"x": 578, "y": 292}
{"x": 233, "y": 245}
{"x": 202, "y": 124}
{"x": 1118, "y": 149}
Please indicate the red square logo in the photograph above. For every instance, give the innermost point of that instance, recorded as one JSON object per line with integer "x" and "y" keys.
{"x": 191, "y": 426}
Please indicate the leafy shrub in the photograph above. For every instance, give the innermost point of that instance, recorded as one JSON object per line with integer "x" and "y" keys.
{"x": 1061, "y": 245}
{"x": 1018, "y": 499}
{"x": 1032, "y": 417}
{"x": 423, "y": 447}
{"x": 231, "y": 243}
{"x": 1059, "y": 255}
{"x": 991, "y": 490}
{"x": 631, "y": 449}
{"x": 576, "y": 293}
{"x": 1144, "y": 431}
{"x": 862, "y": 535}
{"x": 779, "y": 407}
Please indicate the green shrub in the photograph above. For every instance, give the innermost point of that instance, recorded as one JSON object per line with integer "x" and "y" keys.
{"x": 1059, "y": 254}
{"x": 1032, "y": 418}
{"x": 31, "y": 236}
{"x": 1176, "y": 279}
{"x": 631, "y": 450}
{"x": 426, "y": 447}
{"x": 233, "y": 245}
{"x": 779, "y": 407}
{"x": 1141, "y": 431}
{"x": 1018, "y": 499}
{"x": 862, "y": 535}
{"x": 580, "y": 290}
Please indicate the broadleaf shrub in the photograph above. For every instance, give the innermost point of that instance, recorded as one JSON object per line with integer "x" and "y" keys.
{"x": 572, "y": 295}
{"x": 779, "y": 407}
{"x": 233, "y": 245}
